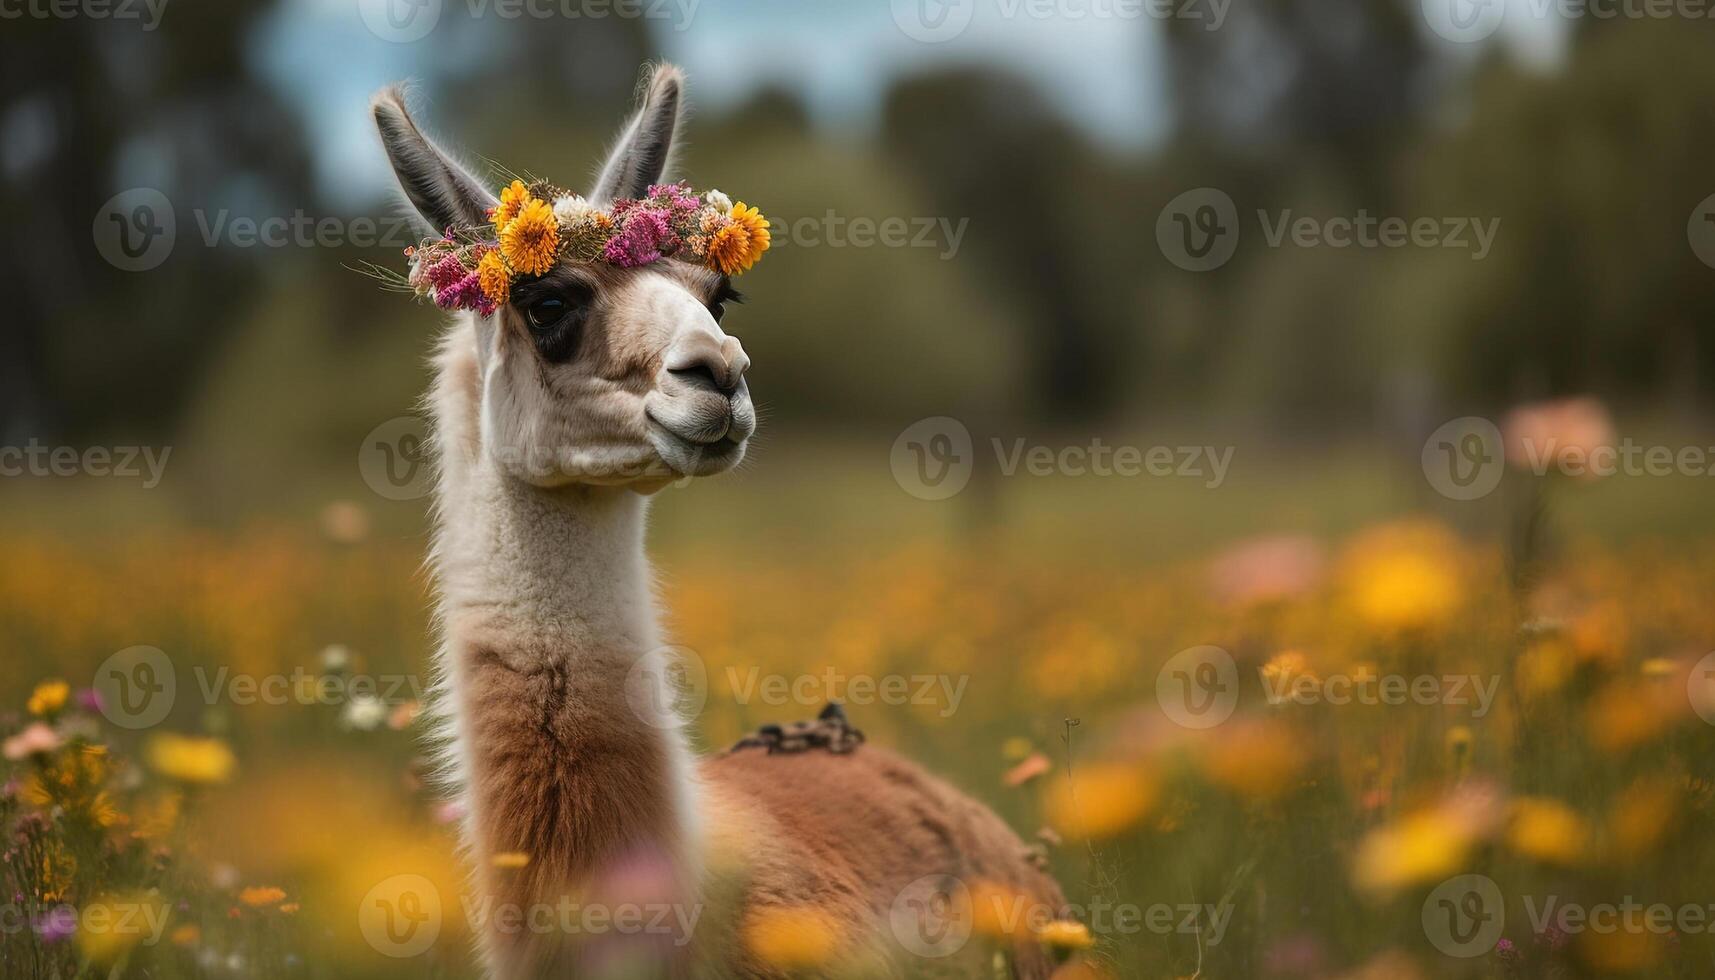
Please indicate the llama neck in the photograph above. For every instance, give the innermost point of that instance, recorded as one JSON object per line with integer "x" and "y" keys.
{"x": 559, "y": 707}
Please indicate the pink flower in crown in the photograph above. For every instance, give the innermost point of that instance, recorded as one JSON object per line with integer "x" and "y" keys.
{"x": 445, "y": 273}
{"x": 678, "y": 196}
{"x": 642, "y": 239}
{"x": 464, "y": 294}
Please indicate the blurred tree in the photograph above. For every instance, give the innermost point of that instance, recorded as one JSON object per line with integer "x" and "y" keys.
{"x": 1332, "y": 83}
{"x": 1595, "y": 172}
{"x": 93, "y": 107}
{"x": 986, "y": 147}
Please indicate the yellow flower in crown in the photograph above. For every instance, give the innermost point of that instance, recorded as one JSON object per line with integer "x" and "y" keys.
{"x": 494, "y": 278}
{"x": 512, "y": 199}
{"x": 531, "y": 240}
{"x": 736, "y": 246}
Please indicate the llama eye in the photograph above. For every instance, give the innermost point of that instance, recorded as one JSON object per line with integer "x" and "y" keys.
{"x": 545, "y": 313}
{"x": 723, "y": 295}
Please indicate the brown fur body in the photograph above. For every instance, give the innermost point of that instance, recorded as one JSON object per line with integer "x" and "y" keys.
{"x": 850, "y": 833}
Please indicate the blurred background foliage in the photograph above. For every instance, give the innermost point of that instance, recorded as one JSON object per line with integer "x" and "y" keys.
{"x": 1057, "y": 306}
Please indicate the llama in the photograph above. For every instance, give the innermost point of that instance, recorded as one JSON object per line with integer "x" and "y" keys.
{"x": 554, "y": 420}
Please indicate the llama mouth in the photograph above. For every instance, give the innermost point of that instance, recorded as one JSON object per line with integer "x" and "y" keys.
{"x": 691, "y": 457}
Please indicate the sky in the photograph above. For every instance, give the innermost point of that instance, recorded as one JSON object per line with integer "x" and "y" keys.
{"x": 839, "y": 55}
{"x": 1100, "y": 61}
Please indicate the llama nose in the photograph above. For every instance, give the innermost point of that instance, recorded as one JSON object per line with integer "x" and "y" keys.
{"x": 709, "y": 361}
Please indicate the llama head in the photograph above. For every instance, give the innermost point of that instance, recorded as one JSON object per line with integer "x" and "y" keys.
{"x": 592, "y": 373}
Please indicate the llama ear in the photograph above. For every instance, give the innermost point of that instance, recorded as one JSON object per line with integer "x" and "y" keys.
{"x": 641, "y": 155}
{"x": 441, "y": 190}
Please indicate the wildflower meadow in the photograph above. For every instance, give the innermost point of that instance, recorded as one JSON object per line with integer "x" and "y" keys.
{"x": 1397, "y": 746}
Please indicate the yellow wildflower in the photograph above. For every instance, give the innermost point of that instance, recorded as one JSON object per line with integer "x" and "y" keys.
{"x": 737, "y": 246}
{"x": 260, "y": 897}
{"x": 494, "y": 278}
{"x": 1101, "y": 801}
{"x": 190, "y": 759}
{"x": 512, "y": 199}
{"x": 1548, "y": 830}
{"x": 1404, "y": 577}
{"x": 1621, "y": 951}
{"x": 998, "y": 911}
{"x": 1423, "y": 846}
{"x": 791, "y": 938}
{"x": 1641, "y": 816}
{"x": 1066, "y": 936}
{"x": 1259, "y": 761}
{"x": 530, "y": 242}
{"x": 49, "y": 697}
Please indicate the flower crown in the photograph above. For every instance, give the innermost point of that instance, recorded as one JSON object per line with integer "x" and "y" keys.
{"x": 473, "y": 269}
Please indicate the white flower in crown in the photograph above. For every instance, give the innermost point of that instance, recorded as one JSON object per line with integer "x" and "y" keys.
{"x": 720, "y": 202}
{"x": 569, "y": 209}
